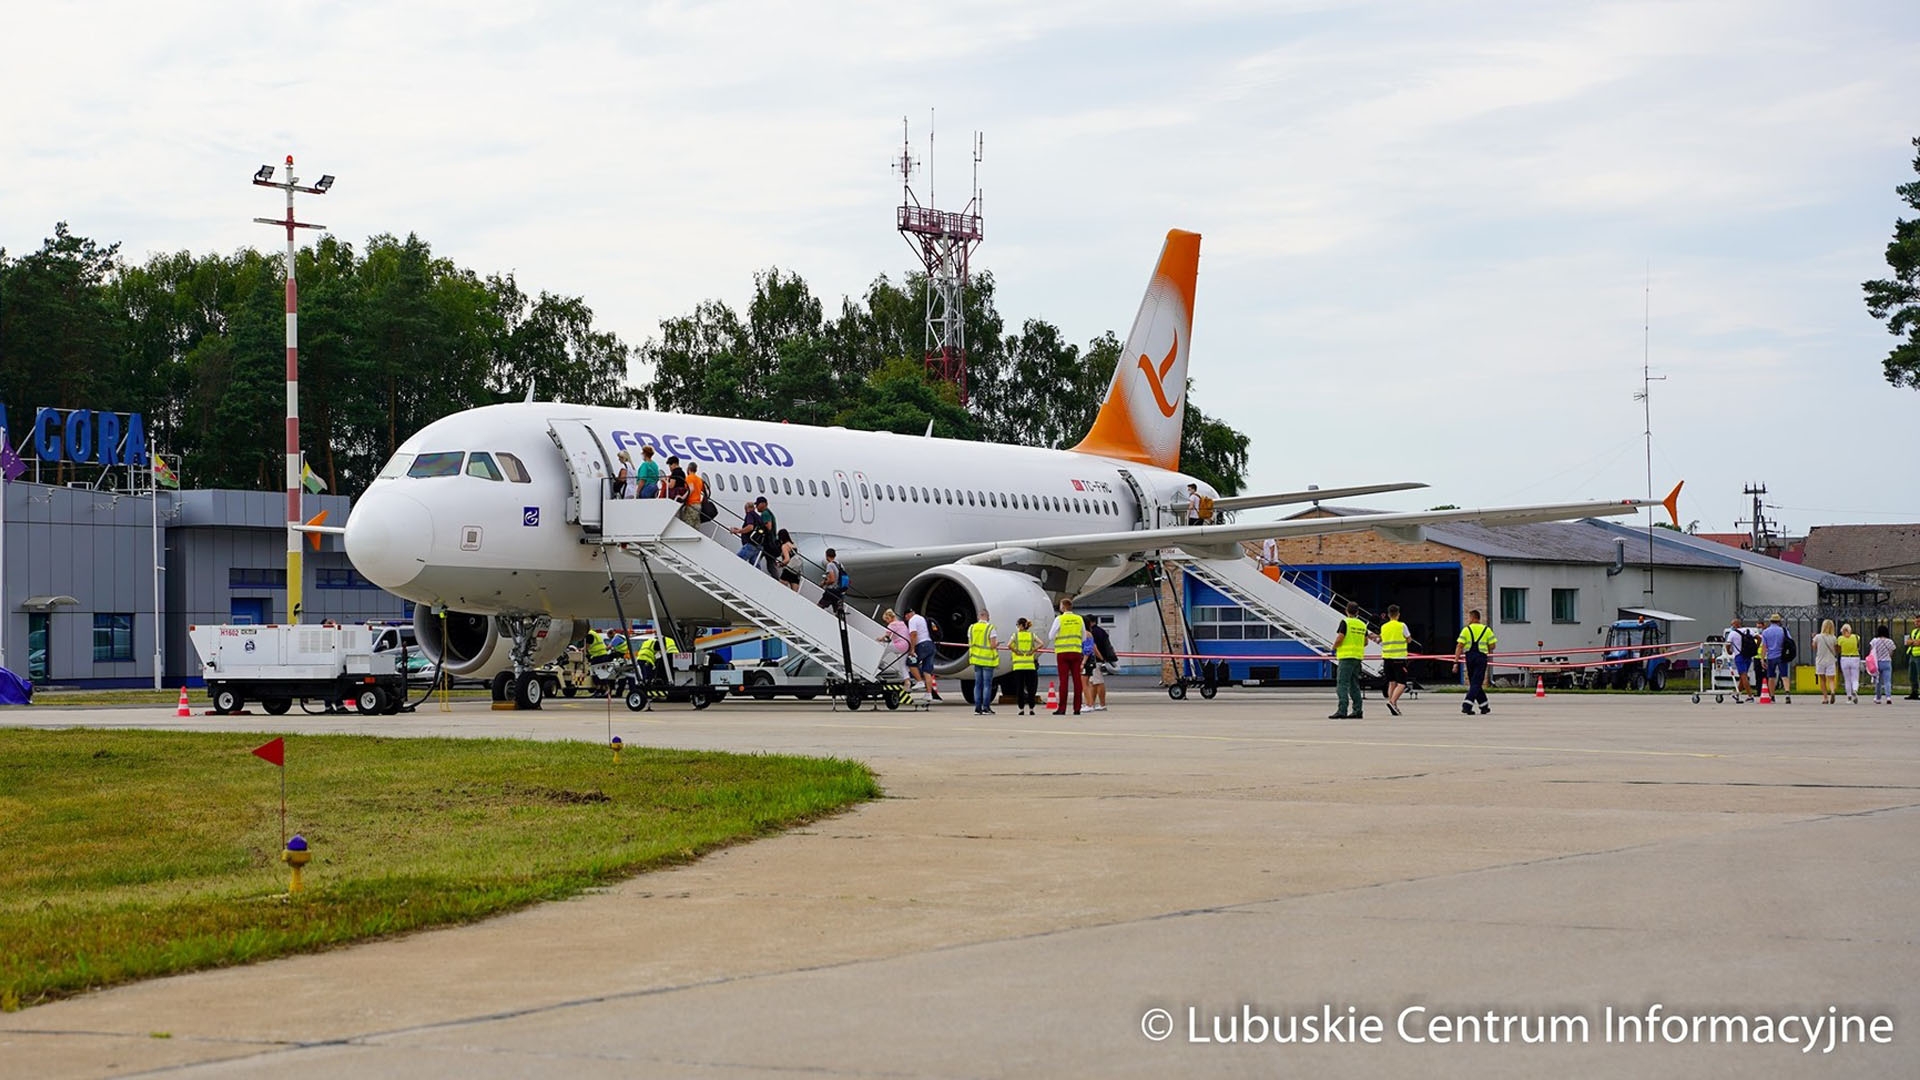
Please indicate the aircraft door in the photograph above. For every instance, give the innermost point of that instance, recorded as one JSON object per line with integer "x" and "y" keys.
{"x": 863, "y": 489}
{"x": 1141, "y": 510}
{"x": 845, "y": 484}
{"x": 587, "y": 468}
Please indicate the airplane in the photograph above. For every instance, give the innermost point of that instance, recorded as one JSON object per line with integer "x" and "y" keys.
{"x": 498, "y": 517}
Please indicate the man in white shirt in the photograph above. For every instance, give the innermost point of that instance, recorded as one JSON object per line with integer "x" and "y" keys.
{"x": 1269, "y": 552}
{"x": 920, "y": 646}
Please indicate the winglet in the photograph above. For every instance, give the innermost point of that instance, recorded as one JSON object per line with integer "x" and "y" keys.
{"x": 1672, "y": 503}
{"x": 314, "y": 537}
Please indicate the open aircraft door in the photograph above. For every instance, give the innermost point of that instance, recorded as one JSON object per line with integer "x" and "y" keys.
{"x": 587, "y": 468}
{"x": 861, "y": 485}
{"x": 841, "y": 481}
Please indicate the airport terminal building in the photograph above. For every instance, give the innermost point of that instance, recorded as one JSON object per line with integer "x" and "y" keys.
{"x": 81, "y": 566}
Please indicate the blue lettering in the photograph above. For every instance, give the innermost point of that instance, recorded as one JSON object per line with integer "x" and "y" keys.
{"x": 697, "y": 446}
{"x": 723, "y": 451}
{"x": 108, "y": 440}
{"x": 781, "y": 455}
{"x": 642, "y": 438}
{"x": 753, "y": 452}
{"x": 621, "y": 439}
{"x": 671, "y": 444}
{"x": 79, "y": 435}
{"x": 136, "y": 451}
{"x": 46, "y": 437}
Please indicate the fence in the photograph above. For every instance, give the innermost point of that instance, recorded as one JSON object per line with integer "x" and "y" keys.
{"x": 1804, "y": 622}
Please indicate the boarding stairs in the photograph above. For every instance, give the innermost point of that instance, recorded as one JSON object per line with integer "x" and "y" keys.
{"x": 705, "y": 557}
{"x": 1298, "y": 613}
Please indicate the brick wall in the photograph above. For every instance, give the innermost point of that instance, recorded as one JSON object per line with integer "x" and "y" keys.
{"x": 1371, "y": 547}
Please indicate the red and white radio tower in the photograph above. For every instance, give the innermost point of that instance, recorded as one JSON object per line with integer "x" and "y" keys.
{"x": 944, "y": 242}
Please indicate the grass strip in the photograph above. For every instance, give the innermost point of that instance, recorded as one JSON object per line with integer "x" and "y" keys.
{"x": 131, "y": 854}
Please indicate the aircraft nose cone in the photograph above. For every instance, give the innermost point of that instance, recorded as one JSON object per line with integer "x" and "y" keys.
{"x": 389, "y": 537}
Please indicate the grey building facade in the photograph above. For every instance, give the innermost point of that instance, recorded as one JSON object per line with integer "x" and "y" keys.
{"x": 78, "y": 596}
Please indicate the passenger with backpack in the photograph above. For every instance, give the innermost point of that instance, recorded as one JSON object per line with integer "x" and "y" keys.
{"x": 1744, "y": 647}
{"x": 1781, "y": 653}
{"x": 833, "y": 585}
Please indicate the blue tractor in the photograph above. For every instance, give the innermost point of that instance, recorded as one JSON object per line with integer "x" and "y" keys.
{"x": 1627, "y": 639}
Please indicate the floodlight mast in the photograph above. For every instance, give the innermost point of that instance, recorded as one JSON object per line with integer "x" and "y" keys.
{"x": 263, "y": 177}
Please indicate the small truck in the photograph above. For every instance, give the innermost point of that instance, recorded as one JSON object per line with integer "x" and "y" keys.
{"x": 279, "y": 665}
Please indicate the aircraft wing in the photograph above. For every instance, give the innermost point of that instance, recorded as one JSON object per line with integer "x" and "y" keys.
{"x": 1200, "y": 538}
{"x": 1284, "y": 498}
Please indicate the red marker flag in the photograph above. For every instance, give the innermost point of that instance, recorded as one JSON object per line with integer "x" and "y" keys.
{"x": 274, "y": 753}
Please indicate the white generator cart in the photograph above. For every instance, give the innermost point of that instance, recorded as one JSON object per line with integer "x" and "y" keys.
{"x": 279, "y": 665}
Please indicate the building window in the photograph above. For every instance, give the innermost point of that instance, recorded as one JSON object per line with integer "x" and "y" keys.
{"x": 112, "y": 639}
{"x": 1566, "y": 605}
{"x": 242, "y": 577}
{"x": 1513, "y": 605}
{"x": 341, "y": 579}
{"x": 38, "y": 626}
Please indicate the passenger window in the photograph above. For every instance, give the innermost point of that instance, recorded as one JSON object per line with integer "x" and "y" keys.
{"x": 761, "y": 483}
{"x": 844, "y": 493}
{"x": 786, "y": 485}
{"x": 913, "y": 495}
{"x": 925, "y": 496}
{"x": 481, "y": 465}
{"x": 516, "y": 471}
{"x": 812, "y": 491}
{"x": 430, "y": 465}
{"x": 395, "y": 466}
{"x": 864, "y": 493}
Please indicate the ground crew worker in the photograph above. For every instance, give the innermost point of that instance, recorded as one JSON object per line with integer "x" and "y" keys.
{"x": 1393, "y": 657}
{"x": 1349, "y": 646}
{"x": 1475, "y": 647}
{"x": 1025, "y": 648}
{"x": 1913, "y": 663}
{"x": 651, "y": 660}
{"x": 1068, "y": 630}
{"x": 983, "y": 653}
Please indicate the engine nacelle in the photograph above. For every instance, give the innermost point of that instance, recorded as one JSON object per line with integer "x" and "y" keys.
{"x": 955, "y": 596}
{"x": 480, "y": 646}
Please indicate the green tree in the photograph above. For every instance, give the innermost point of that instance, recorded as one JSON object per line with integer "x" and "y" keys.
{"x": 900, "y": 398}
{"x": 1896, "y": 300}
{"x": 59, "y": 334}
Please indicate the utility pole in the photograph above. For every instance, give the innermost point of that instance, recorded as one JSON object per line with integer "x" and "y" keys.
{"x": 1645, "y": 397}
{"x": 263, "y": 177}
{"x": 1760, "y": 533}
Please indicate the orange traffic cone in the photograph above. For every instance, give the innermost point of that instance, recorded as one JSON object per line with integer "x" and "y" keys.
{"x": 1539, "y": 686}
{"x": 184, "y": 708}
{"x": 1053, "y": 696}
{"x": 1766, "y": 693}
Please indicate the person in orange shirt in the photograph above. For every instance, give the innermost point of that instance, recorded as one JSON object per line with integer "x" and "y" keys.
{"x": 696, "y": 494}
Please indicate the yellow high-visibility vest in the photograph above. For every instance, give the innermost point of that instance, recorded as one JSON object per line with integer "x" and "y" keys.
{"x": 1026, "y": 651}
{"x": 1478, "y": 637}
{"x": 596, "y": 645}
{"x": 1072, "y": 629}
{"x": 1393, "y": 640}
{"x": 980, "y": 650}
{"x": 1354, "y": 645}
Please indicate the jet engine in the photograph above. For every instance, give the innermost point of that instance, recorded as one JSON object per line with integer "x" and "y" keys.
{"x": 480, "y": 646}
{"x": 955, "y": 595}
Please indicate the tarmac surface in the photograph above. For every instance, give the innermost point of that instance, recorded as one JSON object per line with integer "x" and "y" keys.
{"x": 1031, "y": 889}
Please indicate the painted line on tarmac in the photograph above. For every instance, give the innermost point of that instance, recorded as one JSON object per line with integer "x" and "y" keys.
{"x": 1344, "y": 742}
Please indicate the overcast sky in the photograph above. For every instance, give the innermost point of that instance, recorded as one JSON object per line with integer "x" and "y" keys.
{"x": 1431, "y": 230}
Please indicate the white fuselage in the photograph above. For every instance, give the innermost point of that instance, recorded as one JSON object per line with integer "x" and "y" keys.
{"x": 470, "y": 542}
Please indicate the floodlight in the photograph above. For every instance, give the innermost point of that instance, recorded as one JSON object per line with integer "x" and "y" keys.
{"x": 263, "y": 174}
{"x": 325, "y": 183}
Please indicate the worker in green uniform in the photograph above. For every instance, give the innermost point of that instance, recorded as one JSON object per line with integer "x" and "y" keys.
{"x": 1349, "y": 646}
{"x": 983, "y": 653}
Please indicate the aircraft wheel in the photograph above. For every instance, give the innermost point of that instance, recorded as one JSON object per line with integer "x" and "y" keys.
{"x": 528, "y": 691}
{"x": 226, "y": 702}
{"x": 499, "y": 684}
{"x": 636, "y": 700}
{"x": 1207, "y": 690}
{"x": 1178, "y": 691}
{"x": 277, "y": 706}
{"x": 370, "y": 700}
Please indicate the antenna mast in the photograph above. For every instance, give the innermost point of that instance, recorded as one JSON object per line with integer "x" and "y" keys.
{"x": 944, "y": 242}
{"x": 1645, "y": 398}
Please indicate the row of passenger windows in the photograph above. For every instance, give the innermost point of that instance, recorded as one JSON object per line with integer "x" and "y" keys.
{"x": 504, "y": 466}
{"x": 889, "y": 493}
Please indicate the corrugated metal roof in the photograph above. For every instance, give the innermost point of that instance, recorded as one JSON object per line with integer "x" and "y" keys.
{"x": 1589, "y": 541}
{"x": 1856, "y": 549}
{"x": 1825, "y": 579}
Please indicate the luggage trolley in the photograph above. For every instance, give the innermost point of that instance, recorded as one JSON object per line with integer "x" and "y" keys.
{"x": 1716, "y": 673}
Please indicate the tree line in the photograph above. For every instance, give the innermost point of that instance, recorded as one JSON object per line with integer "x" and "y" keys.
{"x": 393, "y": 337}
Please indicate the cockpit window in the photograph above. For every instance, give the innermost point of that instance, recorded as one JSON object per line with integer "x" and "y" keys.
{"x": 482, "y": 466}
{"x": 447, "y": 464}
{"x": 516, "y": 472}
{"x": 395, "y": 466}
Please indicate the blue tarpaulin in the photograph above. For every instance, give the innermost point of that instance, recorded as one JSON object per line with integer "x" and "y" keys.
{"x": 14, "y": 690}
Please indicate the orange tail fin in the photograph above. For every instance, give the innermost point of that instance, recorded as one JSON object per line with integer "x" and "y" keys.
{"x": 1146, "y": 403}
